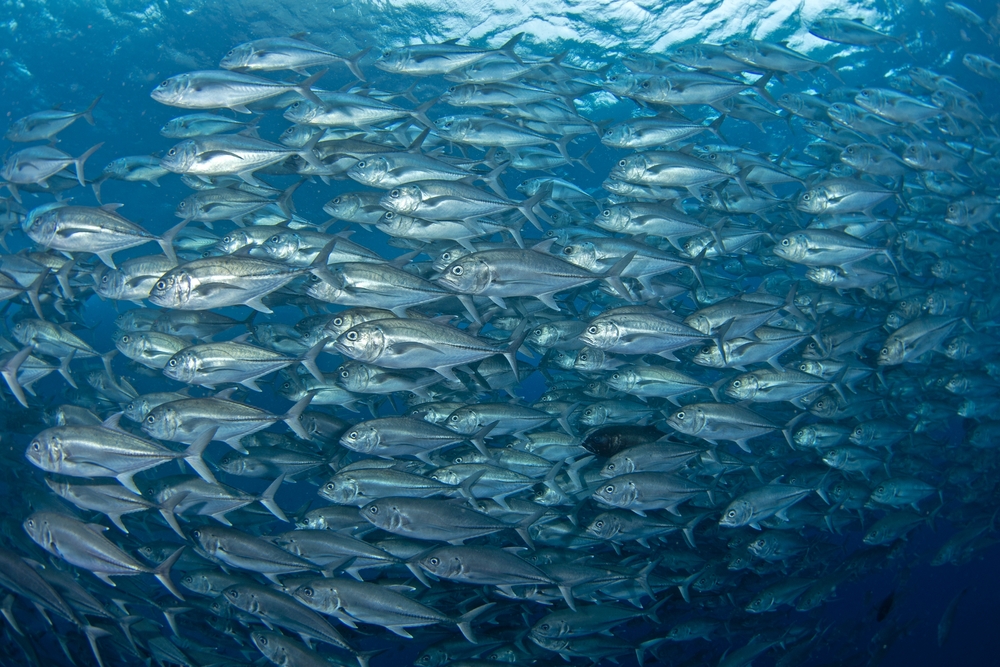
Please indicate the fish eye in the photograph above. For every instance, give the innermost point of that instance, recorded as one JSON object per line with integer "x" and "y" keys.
{"x": 361, "y": 165}
{"x": 160, "y": 285}
{"x": 545, "y": 626}
{"x": 885, "y": 351}
{"x": 434, "y": 561}
{"x": 389, "y": 215}
{"x": 275, "y": 239}
{"x": 172, "y": 362}
{"x": 731, "y": 514}
{"x": 583, "y": 357}
{"x": 599, "y": 524}
{"x": 353, "y": 435}
{"x": 394, "y": 193}
{"x": 568, "y": 250}
{"x": 307, "y": 591}
{"x": 592, "y": 330}
{"x": 373, "y": 509}
{"x": 196, "y": 533}
{"x": 150, "y": 419}
{"x": 737, "y": 384}
{"x": 35, "y": 445}
{"x": 785, "y": 242}
{"x": 352, "y": 335}
{"x": 610, "y": 488}
{"x": 457, "y": 270}
{"x": 616, "y": 376}
{"x": 611, "y": 466}
{"x": 125, "y": 338}
{"x": 606, "y": 213}
{"x": 850, "y": 149}
{"x": 680, "y": 415}
{"x": 621, "y": 163}
{"x": 345, "y": 374}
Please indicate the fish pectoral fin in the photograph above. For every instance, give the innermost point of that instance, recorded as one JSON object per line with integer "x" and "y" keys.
{"x": 410, "y": 346}
{"x": 399, "y": 630}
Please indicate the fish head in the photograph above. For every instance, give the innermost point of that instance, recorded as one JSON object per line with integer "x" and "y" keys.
{"x": 709, "y": 356}
{"x": 174, "y": 90}
{"x": 183, "y": 366}
{"x": 464, "y": 420}
{"x": 444, "y": 260}
{"x": 544, "y": 335}
{"x": 273, "y": 646}
{"x": 601, "y": 334}
{"x": 875, "y": 535}
{"x": 297, "y": 136}
{"x": 282, "y": 245}
{"x": 689, "y": 420}
{"x": 395, "y": 224}
{"x": 871, "y": 99}
{"x": 582, "y": 254}
{"x": 957, "y": 213}
{"x": 235, "y": 463}
{"x": 131, "y": 344}
{"x": 173, "y": 289}
{"x": 604, "y": 526}
{"x": 186, "y": 208}
{"x": 892, "y": 353}
{"x": 619, "y": 464}
{"x": 361, "y": 438}
{"x": 355, "y": 377}
{"x": 460, "y": 96}
{"x": 836, "y": 457}
{"x": 468, "y": 275}
{"x": 38, "y": 527}
{"x": 303, "y": 111}
{"x": 393, "y": 60}
{"x": 620, "y": 83}
{"x": 403, "y": 199}
{"x": 180, "y": 158}
{"x": 238, "y": 57}
{"x": 793, "y": 247}
{"x": 162, "y": 422}
{"x": 136, "y": 409}
{"x": 319, "y": 595}
{"x": 617, "y": 492}
{"x": 369, "y": 171}
{"x": 857, "y": 156}
{"x": 619, "y": 136}
{"x": 823, "y": 275}
{"x": 47, "y": 450}
{"x": 630, "y": 169}
{"x": 763, "y": 602}
{"x": 594, "y": 415}
{"x": 383, "y": 513}
{"x": 814, "y": 200}
{"x": 110, "y": 283}
{"x": 42, "y": 228}
{"x": 743, "y": 50}
{"x": 342, "y": 489}
{"x": 743, "y": 387}
{"x": 738, "y": 514}
{"x": 883, "y": 494}
{"x": 917, "y": 154}
{"x": 625, "y": 379}
{"x": 344, "y": 207}
{"x": 453, "y": 127}
{"x": 365, "y": 342}
{"x": 614, "y": 218}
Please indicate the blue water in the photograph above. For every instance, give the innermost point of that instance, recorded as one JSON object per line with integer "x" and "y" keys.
{"x": 64, "y": 53}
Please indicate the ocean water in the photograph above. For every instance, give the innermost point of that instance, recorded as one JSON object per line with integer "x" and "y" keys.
{"x": 63, "y": 54}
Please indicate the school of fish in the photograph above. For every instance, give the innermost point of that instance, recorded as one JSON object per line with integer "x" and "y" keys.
{"x": 751, "y": 375}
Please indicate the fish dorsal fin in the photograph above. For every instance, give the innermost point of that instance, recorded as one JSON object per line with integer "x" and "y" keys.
{"x": 226, "y": 394}
{"x": 111, "y": 208}
{"x": 96, "y": 528}
{"x": 112, "y": 422}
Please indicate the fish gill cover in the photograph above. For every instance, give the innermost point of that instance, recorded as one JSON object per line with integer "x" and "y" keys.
{"x": 499, "y": 333}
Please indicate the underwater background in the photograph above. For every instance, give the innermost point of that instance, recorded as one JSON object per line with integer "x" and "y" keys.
{"x": 65, "y": 53}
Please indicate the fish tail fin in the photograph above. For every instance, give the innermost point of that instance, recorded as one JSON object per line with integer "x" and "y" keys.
{"x": 420, "y": 113}
{"x": 511, "y": 352}
{"x": 9, "y": 373}
{"x": 168, "y": 510}
{"x": 309, "y": 360}
{"x": 292, "y": 416}
{"x": 353, "y": 63}
{"x": 464, "y": 622}
{"x": 285, "y": 202}
{"x": 88, "y": 113}
{"x": 32, "y": 291}
{"x": 162, "y": 573}
{"x": 304, "y": 88}
{"x": 193, "y": 455}
{"x": 96, "y": 187}
{"x": 267, "y": 498}
{"x": 167, "y": 240}
{"x": 64, "y": 368}
{"x": 508, "y": 47}
{"x": 94, "y": 633}
{"x": 79, "y": 162}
